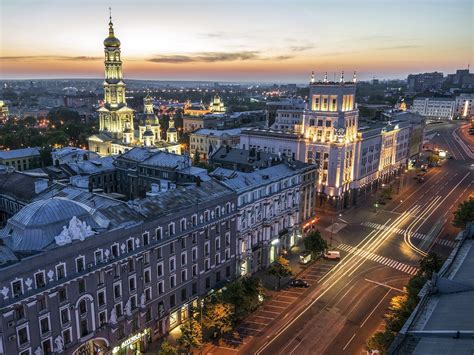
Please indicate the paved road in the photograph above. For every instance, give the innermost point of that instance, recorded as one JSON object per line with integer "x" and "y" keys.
{"x": 380, "y": 251}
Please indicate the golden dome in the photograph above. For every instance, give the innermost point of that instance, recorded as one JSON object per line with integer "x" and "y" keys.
{"x": 111, "y": 40}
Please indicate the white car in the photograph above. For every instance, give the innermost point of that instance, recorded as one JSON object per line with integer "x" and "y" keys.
{"x": 332, "y": 255}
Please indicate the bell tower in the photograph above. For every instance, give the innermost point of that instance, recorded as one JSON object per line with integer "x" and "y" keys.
{"x": 114, "y": 113}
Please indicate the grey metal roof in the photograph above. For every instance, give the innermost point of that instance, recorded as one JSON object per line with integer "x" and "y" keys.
{"x": 19, "y": 153}
{"x": 259, "y": 177}
{"x": 20, "y": 186}
{"x": 93, "y": 166}
{"x": 34, "y": 227}
{"x": 180, "y": 198}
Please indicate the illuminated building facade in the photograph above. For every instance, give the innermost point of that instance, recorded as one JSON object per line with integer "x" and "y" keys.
{"x": 217, "y": 105}
{"x": 327, "y": 134}
{"x": 116, "y": 120}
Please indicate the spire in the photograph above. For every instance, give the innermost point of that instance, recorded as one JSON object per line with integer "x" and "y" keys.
{"x": 354, "y": 77}
{"x": 342, "y": 77}
{"x": 111, "y": 25}
{"x": 312, "y": 77}
{"x": 326, "y": 77}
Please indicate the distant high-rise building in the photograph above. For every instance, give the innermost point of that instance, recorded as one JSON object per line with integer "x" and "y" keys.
{"x": 424, "y": 82}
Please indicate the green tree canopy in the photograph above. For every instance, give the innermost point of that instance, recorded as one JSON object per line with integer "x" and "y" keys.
{"x": 218, "y": 316}
{"x": 167, "y": 349}
{"x": 464, "y": 214}
{"x": 243, "y": 294}
{"x": 191, "y": 335}
{"x": 280, "y": 268}
{"x": 314, "y": 243}
{"x": 380, "y": 341}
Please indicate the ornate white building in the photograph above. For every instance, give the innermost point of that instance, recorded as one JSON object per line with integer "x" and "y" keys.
{"x": 327, "y": 134}
{"x": 116, "y": 120}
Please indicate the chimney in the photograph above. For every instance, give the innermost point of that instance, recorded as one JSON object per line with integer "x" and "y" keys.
{"x": 40, "y": 186}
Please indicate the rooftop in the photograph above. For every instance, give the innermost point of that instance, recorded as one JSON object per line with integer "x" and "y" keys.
{"x": 19, "y": 153}
{"x": 218, "y": 133}
{"x": 445, "y": 309}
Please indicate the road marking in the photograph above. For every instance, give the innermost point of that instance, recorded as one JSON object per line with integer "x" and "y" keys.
{"x": 264, "y": 317}
{"x": 344, "y": 348}
{"x": 394, "y": 264}
{"x": 269, "y": 305}
{"x": 264, "y": 311}
{"x": 378, "y": 304}
{"x": 250, "y": 321}
{"x": 385, "y": 285}
{"x": 444, "y": 242}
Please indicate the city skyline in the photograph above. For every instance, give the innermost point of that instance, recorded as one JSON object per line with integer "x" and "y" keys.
{"x": 243, "y": 41}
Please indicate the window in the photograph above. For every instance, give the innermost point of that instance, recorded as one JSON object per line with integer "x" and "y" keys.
{"x": 206, "y": 248}
{"x": 173, "y": 281}
{"x": 161, "y": 287}
{"x": 23, "y": 335}
{"x": 118, "y": 309}
{"x": 39, "y": 279}
{"x": 207, "y": 264}
{"x": 183, "y": 258}
{"x": 195, "y": 270}
{"x": 194, "y": 253}
{"x": 227, "y": 254}
{"x": 171, "y": 229}
{"x": 184, "y": 275}
{"x": 65, "y": 316}
{"x": 227, "y": 239}
{"x": 19, "y": 312}
{"x": 67, "y": 336}
{"x": 62, "y": 294}
{"x": 82, "y": 307}
{"x": 46, "y": 345}
{"x": 183, "y": 295}
{"x": 80, "y": 264}
{"x": 41, "y": 303}
{"x": 227, "y": 271}
{"x": 148, "y": 294}
{"x": 117, "y": 290}
{"x": 208, "y": 282}
{"x": 172, "y": 248}
{"x": 83, "y": 327}
{"x": 130, "y": 245}
{"x": 115, "y": 250}
{"x": 194, "y": 220}
{"x": 183, "y": 224}
{"x": 172, "y": 301}
{"x": 194, "y": 238}
{"x": 159, "y": 270}
{"x": 217, "y": 259}
{"x": 98, "y": 256}
{"x": 183, "y": 243}
{"x": 100, "y": 277}
{"x": 133, "y": 302}
{"x": 218, "y": 243}
{"x": 159, "y": 253}
{"x": 147, "y": 276}
{"x": 103, "y": 318}
{"x": 82, "y": 286}
{"x": 158, "y": 233}
{"x": 194, "y": 288}
{"x": 17, "y": 288}
{"x": 44, "y": 325}
{"x": 172, "y": 264}
{"x": 131, "y": 265}
{"x": 132, "y": 284}
{"x": 60, "y": 271}
{"x": 146, "y": 238}
{"x": 101, "y": 298}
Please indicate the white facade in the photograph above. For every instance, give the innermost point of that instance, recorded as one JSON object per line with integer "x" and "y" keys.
{"x": 328, "y": 135}
{"x": 207, "y": 141}
{"x": 434, "y": 107}
{"x": 464, "y": 106}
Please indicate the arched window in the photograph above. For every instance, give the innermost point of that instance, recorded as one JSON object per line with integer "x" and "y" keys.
{"x": 82, "y": 307}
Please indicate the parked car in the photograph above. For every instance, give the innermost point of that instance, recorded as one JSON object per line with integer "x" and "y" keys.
{"x": 422, "y": 179}
{"x": 332, "y": 255}
{"x": 299, "y": 283}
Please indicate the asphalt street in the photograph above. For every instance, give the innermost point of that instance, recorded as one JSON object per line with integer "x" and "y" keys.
{"x": 380, "y": 250}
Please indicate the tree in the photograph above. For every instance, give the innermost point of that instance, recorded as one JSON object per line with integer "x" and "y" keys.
{"x": 191, "y": 335}
{"x": 218, "y": 317}
{"x": 433, "y": 159}
{"x": 167, "y": 349}
{"x": 380, "y": 341}
{"x": 429, "y": 264}
{"x": 280, "y": 268}
{"x": 244, "y": 294}
{"x": 464, "y": 214}
{"x": 314, "y": 243}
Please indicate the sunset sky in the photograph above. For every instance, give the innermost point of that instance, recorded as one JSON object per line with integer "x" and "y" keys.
{"x": 239, "y": 40}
